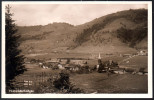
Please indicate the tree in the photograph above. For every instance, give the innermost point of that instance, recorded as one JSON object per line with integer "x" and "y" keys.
{"x": 14, "y": 60}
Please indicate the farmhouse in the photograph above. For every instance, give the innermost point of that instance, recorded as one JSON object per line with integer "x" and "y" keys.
{"x": 143, "y": 53}
{"x": 77, "y": 61}
{"x": 63, "y": 60}
{"x": 71, "y": 67}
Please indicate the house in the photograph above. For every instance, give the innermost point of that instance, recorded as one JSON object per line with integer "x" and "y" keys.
{"x": 143, "y": 53}
{"x": 72, "y": 67}
{"x": 60, "y": 66}
{"x": 77, "y": 61}
{"x": 63, "y": 60}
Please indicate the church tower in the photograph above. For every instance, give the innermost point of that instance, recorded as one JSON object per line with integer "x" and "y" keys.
{"x": 99, "y": 59}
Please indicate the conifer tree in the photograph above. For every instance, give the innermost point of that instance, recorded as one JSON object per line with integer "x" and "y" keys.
{"x": 14, "y": 60}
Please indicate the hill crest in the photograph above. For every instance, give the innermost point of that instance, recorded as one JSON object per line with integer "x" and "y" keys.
{"x": 117, "y": 32}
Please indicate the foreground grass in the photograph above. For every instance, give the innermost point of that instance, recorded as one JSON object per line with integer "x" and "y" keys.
{"x": 115, "y": 83}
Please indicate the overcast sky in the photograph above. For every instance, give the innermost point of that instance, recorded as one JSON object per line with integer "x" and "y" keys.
{"x": 75, "y": 14}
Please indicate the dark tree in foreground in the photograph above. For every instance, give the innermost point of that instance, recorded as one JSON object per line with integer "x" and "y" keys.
{"x": 14, "y": 61}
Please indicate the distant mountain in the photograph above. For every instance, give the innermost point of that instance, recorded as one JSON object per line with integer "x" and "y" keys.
{"x": 123, "y": 31}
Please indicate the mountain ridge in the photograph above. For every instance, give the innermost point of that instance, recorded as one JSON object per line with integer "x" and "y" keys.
{"x": 116, "y": 32}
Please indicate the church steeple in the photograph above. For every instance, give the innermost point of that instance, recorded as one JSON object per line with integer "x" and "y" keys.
{"x": 99, "y": 57}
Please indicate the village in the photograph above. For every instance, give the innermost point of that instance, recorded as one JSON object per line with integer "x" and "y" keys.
{"x": 80, "y": 64}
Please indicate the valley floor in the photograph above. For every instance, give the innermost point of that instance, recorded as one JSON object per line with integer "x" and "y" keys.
{"x": 91, "y": 83}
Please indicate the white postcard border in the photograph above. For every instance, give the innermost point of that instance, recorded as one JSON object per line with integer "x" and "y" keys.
{"x": 148, "y": 95}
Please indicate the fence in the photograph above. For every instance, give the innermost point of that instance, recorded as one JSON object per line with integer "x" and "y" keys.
{"x": 31, "y": 81}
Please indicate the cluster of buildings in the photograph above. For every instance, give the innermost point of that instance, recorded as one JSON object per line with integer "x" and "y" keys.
{"x": 63, "y": 63}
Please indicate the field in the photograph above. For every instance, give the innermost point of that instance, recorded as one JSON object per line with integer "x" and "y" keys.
{"x": 115, "y": 83}
{"x": 93, "y": 82}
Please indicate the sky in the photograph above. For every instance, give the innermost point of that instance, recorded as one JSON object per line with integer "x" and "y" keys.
{"x": 75, "y": 14}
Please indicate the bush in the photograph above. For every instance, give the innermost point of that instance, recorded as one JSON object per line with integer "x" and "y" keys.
{"x": 64, "y": 85}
